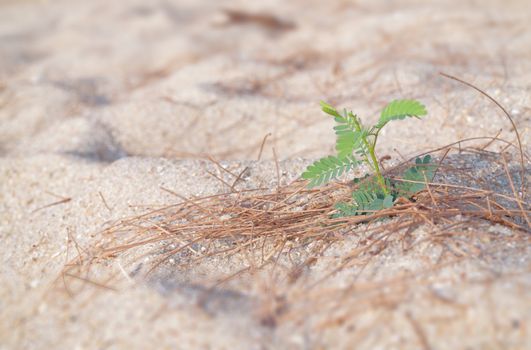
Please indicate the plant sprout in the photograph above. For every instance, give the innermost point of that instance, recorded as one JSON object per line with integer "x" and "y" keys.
{"x": 356, "y": 144}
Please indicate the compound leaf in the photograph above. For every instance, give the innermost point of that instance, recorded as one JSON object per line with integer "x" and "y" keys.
{"x": 367, "y": 199}
{"x": 349, "y": 141}
{"x": 328, "y": 109}
{"x": 400, "y": 109}
{"x": 418, "y": 174}
{"x": 350, "y": 134}
{"x": 328, "y": 168}
{"x": 388, "y": 201}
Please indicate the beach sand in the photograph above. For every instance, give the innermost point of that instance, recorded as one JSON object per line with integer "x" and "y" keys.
{"x": 111, "y": 109}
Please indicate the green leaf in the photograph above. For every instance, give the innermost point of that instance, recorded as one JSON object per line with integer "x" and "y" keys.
{"x": 328, "y": 109}
{"x": 328, "y": 168}
{"x": 388, "y": 201}
{"x": 343, "y": 210}
{"x": 350, "y": 135}
{"x": 420, "y": 173}
{"x": 363, "y": 203}
{"x": 400, "y": 109}
{"x": 367, "y": 199}
{"x": 349, "y": 141}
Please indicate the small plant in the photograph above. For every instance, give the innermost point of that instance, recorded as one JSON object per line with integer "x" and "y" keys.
{"x": 356, "y": 144}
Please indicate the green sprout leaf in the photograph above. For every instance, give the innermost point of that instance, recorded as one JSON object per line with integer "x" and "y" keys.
{"x": 363, "y": 203}
{"x": 349, "y": 141}
{"x": 418, "y": 175}
{"x": 400, "y": 109}
{"x": 388, "y": 201}
{"x": 328, "y": 109}
{"x": 328, "y": 168}
{"x": 367, "y": 199}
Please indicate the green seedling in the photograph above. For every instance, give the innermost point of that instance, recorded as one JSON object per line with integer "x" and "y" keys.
{"x": 355, "y": 145}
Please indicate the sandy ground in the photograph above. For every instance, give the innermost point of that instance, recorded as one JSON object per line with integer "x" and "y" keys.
{"x": 105, "y": 103}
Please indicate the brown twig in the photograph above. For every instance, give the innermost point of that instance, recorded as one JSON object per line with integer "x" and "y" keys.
{"x": 515, "y": 129}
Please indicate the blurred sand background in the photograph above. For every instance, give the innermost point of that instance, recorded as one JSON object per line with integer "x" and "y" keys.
{"x": 102, "y": 103}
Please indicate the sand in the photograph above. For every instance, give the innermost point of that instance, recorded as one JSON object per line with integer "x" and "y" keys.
{"x": 104, "y": 106}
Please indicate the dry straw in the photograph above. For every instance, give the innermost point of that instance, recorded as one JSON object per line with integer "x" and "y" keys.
{"x": 265, "y": 243}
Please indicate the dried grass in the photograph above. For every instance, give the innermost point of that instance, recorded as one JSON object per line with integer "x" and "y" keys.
{"x": 282, "y": 249}
{"x": 266, "y": 242}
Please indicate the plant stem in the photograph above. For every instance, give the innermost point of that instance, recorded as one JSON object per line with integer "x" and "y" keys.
{"x": 379, "y": 176}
